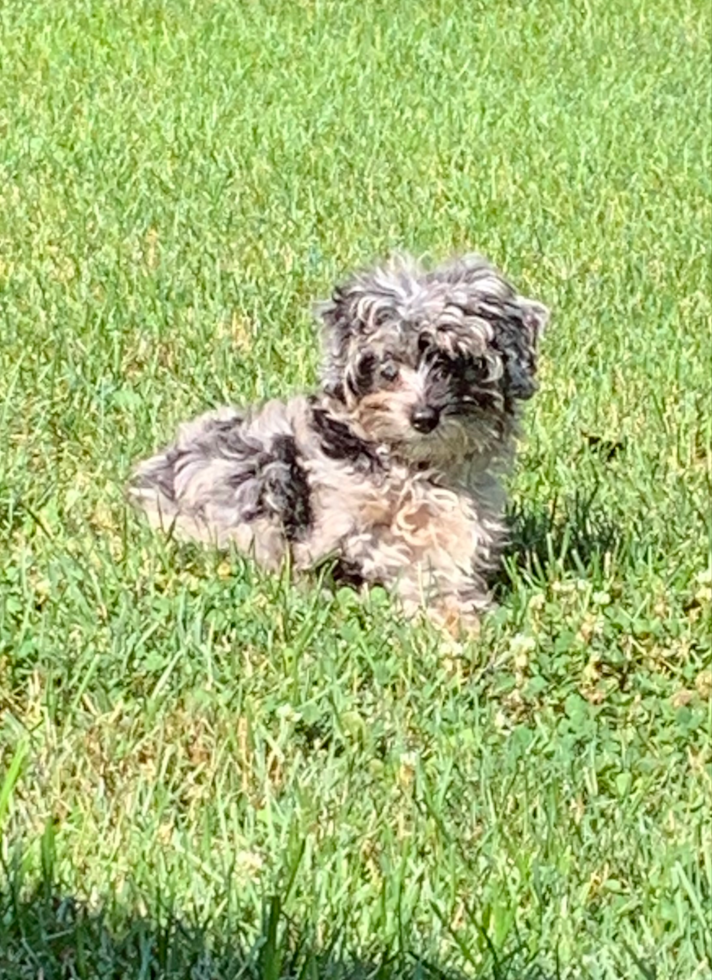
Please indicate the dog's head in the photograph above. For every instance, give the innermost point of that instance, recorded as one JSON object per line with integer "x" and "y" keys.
{"x": 433, "y": 363}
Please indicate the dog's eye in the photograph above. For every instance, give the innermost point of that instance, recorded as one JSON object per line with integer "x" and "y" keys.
{"x": 476, "y": 369}
{"x": 424, "y": 343}
{"x": 389, "y": 371}
{"x": 366, "y": 362}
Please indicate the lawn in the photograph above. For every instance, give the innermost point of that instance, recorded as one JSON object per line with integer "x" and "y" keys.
{"x": 209, "y": 773}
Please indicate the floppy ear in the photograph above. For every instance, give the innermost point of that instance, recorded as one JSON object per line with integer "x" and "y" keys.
{"x": 338, "y": 328}
{"x": 518, "y": 338}
{"x": 535, "y": 317}
{"x": 357, "y": 307}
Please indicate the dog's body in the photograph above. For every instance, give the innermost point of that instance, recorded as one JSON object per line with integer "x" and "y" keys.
{"x": 394, "y": 468}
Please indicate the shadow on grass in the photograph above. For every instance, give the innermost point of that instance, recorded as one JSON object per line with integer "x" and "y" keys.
{"x": 48, "y": 935}
{"x": 573, "y": 535}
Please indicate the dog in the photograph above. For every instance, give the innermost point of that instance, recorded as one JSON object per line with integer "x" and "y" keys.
{"x": 393, "y": 469}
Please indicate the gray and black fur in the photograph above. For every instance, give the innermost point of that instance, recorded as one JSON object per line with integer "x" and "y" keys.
{"x": 393, "y": 466}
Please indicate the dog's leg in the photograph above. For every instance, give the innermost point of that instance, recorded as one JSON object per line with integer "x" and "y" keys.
{"x": 227, "y": 482}
{"x": 449, "y": 604}
{"x": 433, "y": 554}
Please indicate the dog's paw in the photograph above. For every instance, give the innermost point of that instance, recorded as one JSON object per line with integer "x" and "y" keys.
{"x": 459, "y": 622}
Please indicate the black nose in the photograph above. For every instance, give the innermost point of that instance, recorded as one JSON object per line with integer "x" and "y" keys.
{"x": 425, "y": 419}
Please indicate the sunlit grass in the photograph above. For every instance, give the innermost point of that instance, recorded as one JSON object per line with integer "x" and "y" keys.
{"x": 206, "y": 769}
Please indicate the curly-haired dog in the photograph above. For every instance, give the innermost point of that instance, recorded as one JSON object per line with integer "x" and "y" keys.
{"x": 393, "y": 467}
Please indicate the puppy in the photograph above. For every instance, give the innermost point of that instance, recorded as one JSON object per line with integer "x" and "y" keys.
{"x": 393, "y": 468}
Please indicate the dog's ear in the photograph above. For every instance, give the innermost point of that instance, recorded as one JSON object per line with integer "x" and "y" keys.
{"x": 535, "y": 317}
{"x": 339, "y": 324}
{"x": 358, "y": 308}
{"x": 518, "y": 337}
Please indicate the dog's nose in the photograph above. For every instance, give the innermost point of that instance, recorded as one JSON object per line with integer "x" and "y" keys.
{"x": 425, "y": 419}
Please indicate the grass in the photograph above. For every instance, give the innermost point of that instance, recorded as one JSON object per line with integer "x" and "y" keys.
{"x": 205, "y": 772}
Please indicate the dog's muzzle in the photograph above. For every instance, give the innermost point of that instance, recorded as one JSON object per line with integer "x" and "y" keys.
{"x": 425, "y": 419}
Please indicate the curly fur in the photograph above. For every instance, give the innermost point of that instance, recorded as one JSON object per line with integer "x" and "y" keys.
{"x": 393, "y": 468}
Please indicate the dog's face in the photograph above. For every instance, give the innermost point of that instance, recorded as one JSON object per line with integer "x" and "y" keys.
{"x": 433, "y": 363}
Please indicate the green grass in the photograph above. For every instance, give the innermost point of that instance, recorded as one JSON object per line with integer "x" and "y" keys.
{"x": 205, "y": 772}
